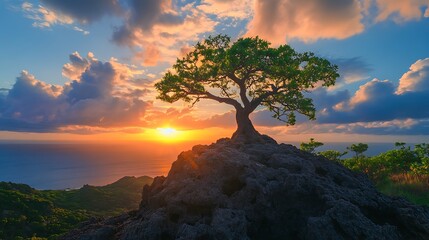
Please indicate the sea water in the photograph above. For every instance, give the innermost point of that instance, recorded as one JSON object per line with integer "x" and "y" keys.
{"x": 71, "y": 165}
{"x": 65, "y": 165}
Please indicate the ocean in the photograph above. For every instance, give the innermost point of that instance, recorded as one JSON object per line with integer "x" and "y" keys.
{"x": 49, "y": 165}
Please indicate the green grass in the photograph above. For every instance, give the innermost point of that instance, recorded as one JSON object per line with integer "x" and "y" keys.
{"x": 412, "y": 187}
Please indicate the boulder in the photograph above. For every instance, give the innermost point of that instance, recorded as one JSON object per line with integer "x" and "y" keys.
{"x": 233, "y": 190}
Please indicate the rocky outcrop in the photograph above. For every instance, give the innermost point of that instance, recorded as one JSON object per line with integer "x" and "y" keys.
{"x": 231, "y": 190}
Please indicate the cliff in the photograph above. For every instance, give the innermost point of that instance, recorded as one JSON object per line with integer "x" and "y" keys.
{"x": 232, "y": 190}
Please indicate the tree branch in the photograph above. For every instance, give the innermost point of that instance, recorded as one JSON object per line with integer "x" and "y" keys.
{"x": 243, "y": 90}
{"x": 229, "y": 101}
{"x": 257, "y": 101}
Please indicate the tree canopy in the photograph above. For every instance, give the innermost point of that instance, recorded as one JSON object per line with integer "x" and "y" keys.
{"x": 358, "y": 148}
{"x": 246, "y": 74}
{"x": 310, "y": 146}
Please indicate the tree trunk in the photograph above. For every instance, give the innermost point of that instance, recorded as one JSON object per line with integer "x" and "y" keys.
{"x": 245, "y": 131}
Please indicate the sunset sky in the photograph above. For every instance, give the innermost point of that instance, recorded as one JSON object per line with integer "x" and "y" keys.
{"x": 85, "y": 69}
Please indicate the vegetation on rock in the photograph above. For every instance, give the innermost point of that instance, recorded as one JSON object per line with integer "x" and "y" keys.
{"x": 403, "y": 171}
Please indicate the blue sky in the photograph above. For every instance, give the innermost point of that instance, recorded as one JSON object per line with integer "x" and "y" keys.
{"x": 107, "y": 55}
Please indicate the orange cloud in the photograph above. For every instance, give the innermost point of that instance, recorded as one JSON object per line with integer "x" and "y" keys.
{"x": 401, "y": 10}
{"x": 159, "y": 29}
{"x": 149, "y": 56}
{"x": 44, "y": 17}
{"x": 280, "y": 20}
{"x": 238, "y": 9}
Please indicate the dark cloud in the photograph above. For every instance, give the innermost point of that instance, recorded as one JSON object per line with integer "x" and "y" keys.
{"x": 96, "y": 81}
{"x": 396, "y": 128}
{"x": 31, "y": 100}
{"x": 143, "y": 15}
{"x": 351, "y": 70}
{"x": 93, "y": 100}
{"x": 377, "y": 101}
{"x": 75, "y": 67}
{"x": 85, "y": 11}
{"x": 323, "y": 99}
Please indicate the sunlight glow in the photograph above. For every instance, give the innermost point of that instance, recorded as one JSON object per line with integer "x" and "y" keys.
{"x": 167, "y": 132}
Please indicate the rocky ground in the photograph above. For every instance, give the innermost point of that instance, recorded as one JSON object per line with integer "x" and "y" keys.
{"x": 231, "y": 190}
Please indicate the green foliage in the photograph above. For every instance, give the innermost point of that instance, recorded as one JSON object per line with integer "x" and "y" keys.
{"x": 402, "y": 172}
{"x": 422, "y": 152}
{"x": 413, "y": 187}
{"x": 332, "y": 155}
{"x": 26, "y": 213}
{"x": 359, "y": 149}
{"x": 401, "y": 145}
{"x": 105, "y": 200}
{"x": 310, "y": 146}
{"x": 246, "y": 74}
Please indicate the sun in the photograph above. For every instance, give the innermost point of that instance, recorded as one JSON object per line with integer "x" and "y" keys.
{"x": 167, "y": 132}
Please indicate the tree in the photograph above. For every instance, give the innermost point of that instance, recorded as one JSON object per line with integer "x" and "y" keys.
{"x": 401, "y": 145}
{"x": 310, "y": 146}
{"x": 246, "y": 74}
{"x": 359, "y": 149}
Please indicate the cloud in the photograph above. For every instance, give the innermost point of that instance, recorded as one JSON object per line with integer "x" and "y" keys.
{"x": 76, "y": 67}
{"x": 377, "y": 101}
{"x": 158, "y": 29}
{"x": 81, "y": 30}
{"x": 95, "y": 82}
{"x": 98, "y": 96}
{"x": 416, "y": 79}
{"x": 184, "y": 119}
{"x": 401, "y": 11}
{"x": 143, "y": 16}
{"x": 149, "y": 56}
{"x": 85, "y": 11}
{"x": 239, "y": 9}
{"x": 394, "y": 127}
{"x": 382, "y": 100}
{"x": 351, "y": 70}
{"x": 31, "y": 99}
{"x": 279, "y": 20}
{"x": 282, "y": 20}
{"x": 44, "y": 17}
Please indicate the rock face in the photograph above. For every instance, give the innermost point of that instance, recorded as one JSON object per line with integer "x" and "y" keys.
{"x": 267, "y": 190}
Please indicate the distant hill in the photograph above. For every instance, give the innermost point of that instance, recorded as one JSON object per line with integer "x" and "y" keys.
{"x": 27, "y": 212}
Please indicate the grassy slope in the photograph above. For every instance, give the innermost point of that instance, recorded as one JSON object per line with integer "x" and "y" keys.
{"x": 26, "y": 212}
{"x": 406, "y": 186}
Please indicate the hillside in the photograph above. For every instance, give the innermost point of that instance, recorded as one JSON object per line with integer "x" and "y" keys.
{"x": 231, "y": 190}
{"x": 27, "y": 212}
